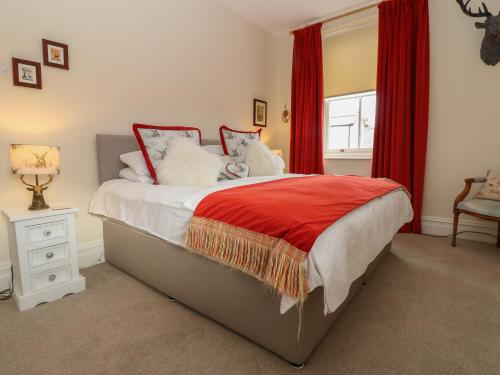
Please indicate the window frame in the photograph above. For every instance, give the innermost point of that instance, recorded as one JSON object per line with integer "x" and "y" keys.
{"x": 353, "y": 153}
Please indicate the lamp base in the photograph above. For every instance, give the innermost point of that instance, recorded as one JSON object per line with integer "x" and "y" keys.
{"x": 38, "y": 201}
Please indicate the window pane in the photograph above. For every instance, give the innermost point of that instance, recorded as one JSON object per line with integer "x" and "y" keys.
{"x": 338, "y": 138}
{"x": 343, "y": 122}
{"x": 350, "y": 121}
{"x": 367, "y": 124}
{"x": 342, "y": 107}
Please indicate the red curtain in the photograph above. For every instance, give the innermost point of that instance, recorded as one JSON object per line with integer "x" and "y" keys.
{"x": 306, "y": 141}
{"x": 400, "y": 146}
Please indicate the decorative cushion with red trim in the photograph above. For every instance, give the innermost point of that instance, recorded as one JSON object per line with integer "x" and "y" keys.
{"x": 153, "y": 141}
{"x": 235, "y": 142}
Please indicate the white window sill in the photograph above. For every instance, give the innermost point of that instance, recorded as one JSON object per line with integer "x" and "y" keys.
{"x": 349, "y": 156}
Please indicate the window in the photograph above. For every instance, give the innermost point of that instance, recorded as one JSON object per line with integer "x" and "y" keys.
{"x": 350, "y": 125}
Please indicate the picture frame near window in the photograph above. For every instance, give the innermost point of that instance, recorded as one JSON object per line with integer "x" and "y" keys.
{"x": 259, "y": 113}
{"x": 55, "y": 54}
{"x": 27, "y": 73}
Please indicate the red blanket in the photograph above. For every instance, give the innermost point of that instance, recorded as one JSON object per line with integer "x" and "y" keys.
{"x": 267, "y": 229}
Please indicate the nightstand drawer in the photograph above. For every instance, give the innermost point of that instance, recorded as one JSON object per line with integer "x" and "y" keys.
{"x": 48, "y": 255}
{"x": 45, "y": 232}
{"x": 50, "y": 278}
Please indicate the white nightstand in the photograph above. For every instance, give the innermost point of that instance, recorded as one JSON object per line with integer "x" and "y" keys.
{"x": 43, "y": 254}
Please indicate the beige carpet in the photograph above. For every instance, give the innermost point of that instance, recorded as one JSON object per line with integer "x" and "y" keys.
{"x": 428, "y": 309}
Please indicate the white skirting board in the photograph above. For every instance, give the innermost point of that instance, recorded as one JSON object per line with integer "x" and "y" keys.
{"x": 89, "y": 254}
{"x": 442, "y": 226}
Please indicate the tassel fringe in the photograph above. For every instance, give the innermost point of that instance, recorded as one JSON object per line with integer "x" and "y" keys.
{"x": 271, "y": 260}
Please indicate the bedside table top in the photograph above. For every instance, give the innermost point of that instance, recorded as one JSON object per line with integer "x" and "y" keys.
{"x": 20, "y": 215}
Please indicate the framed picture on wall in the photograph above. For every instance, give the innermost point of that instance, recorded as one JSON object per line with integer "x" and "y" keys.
{"x": 55, "y": 54}
{"x": 27, "y": 73}
{"x": 259, "y": 113}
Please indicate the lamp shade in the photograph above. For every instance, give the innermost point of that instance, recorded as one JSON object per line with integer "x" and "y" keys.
{"x": 278, "y": 152}
{"x": 33, "y": 159}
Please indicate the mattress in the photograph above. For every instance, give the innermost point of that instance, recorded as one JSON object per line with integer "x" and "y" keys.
{"x": 339, "y": 256}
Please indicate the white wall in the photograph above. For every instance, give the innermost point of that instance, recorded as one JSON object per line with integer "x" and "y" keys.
{"x": 163, "y": 62}
{"x": 279, "y": 132}
{"x": 464, "y": 124}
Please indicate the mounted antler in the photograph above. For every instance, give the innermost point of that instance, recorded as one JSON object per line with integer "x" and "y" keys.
{"x": 468, "y": 10}
{"x": 490, "y": 48}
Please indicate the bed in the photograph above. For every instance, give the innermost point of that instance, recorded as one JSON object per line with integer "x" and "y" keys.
{"x": 150, "y": 249}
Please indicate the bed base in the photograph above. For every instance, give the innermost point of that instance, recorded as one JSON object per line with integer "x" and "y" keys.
{"x": 231, "y": 298}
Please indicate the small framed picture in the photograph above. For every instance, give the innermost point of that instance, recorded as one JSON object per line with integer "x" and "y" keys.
{"x": 259, "y": 113}
{"x": 27, "y": 73}
{"x": 55, "y": 54}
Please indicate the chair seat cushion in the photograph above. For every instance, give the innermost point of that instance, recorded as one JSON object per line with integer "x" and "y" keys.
{"x": 481, "y": 206}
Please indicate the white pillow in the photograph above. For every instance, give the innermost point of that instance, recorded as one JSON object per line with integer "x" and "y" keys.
{"x": 135, "y": 160}
{"x": 129, "y": 174}
{"x": 214, "y": 149}
{"x": 262, "y": 161}
{"x": 188, "y": 164}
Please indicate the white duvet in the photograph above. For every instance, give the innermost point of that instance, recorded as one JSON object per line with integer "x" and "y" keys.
{"x": 339, "y": 256}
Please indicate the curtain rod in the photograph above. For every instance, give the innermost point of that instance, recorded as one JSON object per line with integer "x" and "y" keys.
{"x": 338, "y": 16}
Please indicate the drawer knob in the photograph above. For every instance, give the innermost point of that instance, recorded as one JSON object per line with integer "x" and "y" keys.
{"x": 47, "y": 232}
{"x": 52, "y": 277}
{"x": 49, "y": 255}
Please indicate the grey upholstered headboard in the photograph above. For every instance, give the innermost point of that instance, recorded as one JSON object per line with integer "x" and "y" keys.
{"x": 109, "y": 149}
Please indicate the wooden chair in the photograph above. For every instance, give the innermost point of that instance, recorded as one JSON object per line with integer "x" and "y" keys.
{"x": 481, "y": 208}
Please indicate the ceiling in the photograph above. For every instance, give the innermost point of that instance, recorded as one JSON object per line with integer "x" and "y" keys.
{"x": 279, "y": 16}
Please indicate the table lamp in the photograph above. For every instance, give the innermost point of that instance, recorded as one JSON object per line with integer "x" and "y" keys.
{"x": 278, "y": 152}
{"x": 35, "y": 160}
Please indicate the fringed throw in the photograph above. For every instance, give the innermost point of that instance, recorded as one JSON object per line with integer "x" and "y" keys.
{"x": 267, "y": 229}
